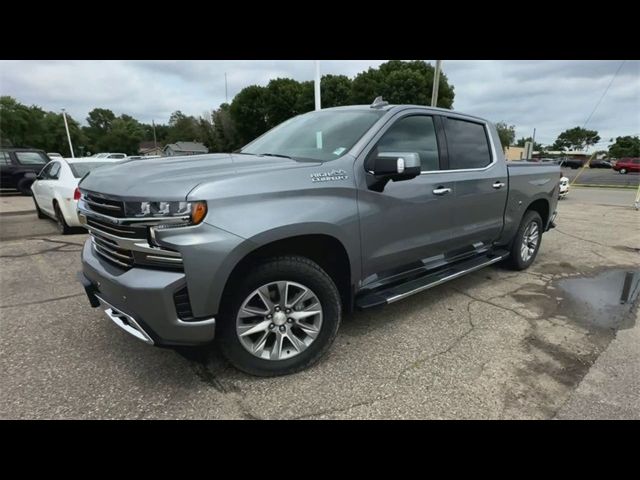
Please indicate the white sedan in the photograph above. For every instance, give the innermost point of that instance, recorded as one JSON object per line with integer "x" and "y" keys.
{"x": 55, "y": 190}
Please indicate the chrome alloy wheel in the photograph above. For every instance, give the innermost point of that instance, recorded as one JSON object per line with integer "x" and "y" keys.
{"x": 279, "y": 320}
{"x": 530, "y": 241}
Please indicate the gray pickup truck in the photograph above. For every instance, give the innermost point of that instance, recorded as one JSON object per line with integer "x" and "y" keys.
{"x": 339, "y": 209}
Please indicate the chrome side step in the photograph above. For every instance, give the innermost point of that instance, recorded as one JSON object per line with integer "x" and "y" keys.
{"x": 392, "y": 294}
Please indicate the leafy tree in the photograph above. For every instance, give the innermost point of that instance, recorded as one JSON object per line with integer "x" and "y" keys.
{"x": 507, "y": 134}
{"x": 401, "y": 82}
{"x": 183, "y": 128}
{"x": 224, "y": 130}
{"x": 577, "y": 138}
{"x": 536, "y": 146}
{"x": 281, "y": 101}
{"x": 125, "y": 134}
{"x": 627, "y": 146}
{"x": 248, "y": 111}
{"x": 335, "y": 91}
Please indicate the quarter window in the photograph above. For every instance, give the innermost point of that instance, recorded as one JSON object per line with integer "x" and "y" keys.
{"x": 4, "y": 158}
{"x": 467, "y": 144}
{"x": 55, "y": 171}
{"x": 415, "y": 134}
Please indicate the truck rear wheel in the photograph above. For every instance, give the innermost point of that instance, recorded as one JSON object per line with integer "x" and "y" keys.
{"x": 281, "y": 318}
{"x": 526, "y": 242}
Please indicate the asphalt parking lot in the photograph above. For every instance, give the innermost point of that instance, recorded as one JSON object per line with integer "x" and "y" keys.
{"x": 603, "y": 177}
{"x": 545, "y": 343}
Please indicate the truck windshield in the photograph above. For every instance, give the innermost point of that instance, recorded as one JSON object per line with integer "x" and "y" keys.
{"x": 321, "y": 135}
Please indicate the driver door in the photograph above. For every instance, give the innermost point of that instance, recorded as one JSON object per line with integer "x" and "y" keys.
{"x": 409, "y": 224}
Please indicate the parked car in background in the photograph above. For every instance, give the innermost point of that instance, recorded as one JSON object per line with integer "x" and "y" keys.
{"x": 573, "y": 163}
{"x": 600, "y": 164}
{"x": 626, "y": 165}
{"x": 336, "y": 209}
{"x": 55, "y": 192}
{"x": 564, "y": 186}
{"x": 19, "y": 167}
{"x": 54, "y": 154}
{"x": 108, "y": 155}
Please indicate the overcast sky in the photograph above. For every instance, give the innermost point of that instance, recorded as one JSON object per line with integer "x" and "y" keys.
{"x": 548, "y": 95}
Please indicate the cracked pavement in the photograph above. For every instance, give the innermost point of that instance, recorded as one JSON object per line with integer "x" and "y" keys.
{"x": 493, "y": 344}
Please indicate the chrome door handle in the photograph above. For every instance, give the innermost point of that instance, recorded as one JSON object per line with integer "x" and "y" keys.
{"x": 441, "y": 191}
{"x": 498, "y": 185}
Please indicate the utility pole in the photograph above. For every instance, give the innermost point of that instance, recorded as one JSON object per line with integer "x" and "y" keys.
{"x": 155, "y": 142}
{"x": 316, "y": 86}
{"x": 533, "y": 143}
{"x": 436, "y": 84}
{"x": 226, "y": 90}
{"x": 66, "y": 126}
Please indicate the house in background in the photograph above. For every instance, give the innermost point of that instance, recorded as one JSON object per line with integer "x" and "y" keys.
{"x": 514, "y": 153}
{"x": 149, "y": 148}
{"x": 184, "y": 148}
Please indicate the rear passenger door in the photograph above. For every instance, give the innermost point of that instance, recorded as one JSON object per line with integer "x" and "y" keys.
{"x": 481, "y": 183}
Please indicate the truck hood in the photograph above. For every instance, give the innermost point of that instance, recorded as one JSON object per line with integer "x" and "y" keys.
{"x": 172, "y": 178}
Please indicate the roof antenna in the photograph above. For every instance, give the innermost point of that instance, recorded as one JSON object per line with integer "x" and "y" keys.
{"x": 379, "y": 103}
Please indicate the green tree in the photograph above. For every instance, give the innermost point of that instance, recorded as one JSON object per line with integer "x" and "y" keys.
{"x": 183, "y": 128}
{"x": 507, "y": 134}
{"x": 536, "y": 146}
{"x": 626, "y": 146}
{"x": 224, "y": 130}
{"x": 248, "y": 111}
{"x": 124, "y": 135}
{"x": 335, "y": 91}
{"x": 577, "y": 138}
{"x": 281, "y": 101}
{"x": 400, "y": 82}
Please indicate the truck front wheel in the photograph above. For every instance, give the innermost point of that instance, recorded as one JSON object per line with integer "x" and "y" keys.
{"x": 526, "y": 242}
{"x": 281, "y": 318}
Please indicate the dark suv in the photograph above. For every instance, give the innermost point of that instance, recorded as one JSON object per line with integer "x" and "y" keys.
{"x": 19, "y": 167}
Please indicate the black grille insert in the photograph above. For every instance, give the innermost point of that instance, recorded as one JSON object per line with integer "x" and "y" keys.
{"x": 183, "y": 305}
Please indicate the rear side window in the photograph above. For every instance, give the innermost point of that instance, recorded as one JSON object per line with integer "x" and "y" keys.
{"x": 55, "y": 171}
{"x": 413, "y": 134}
{"x": 467, "y": 143}
{"x": 4, "y": 158}
{"x": 31, "y": 158}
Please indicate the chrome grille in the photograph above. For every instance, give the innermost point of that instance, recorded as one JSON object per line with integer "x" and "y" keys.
{"x": 126, "y": 231}
{"x": 104, "y": 206}
{"x": 111, "y": 251}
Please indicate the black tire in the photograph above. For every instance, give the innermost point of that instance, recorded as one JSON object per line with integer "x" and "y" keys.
{"x": 38, "y": 211}
{"x": 63, "y": 228}
{"x": 515, "y": 259}
{"x": 291, "y": 268}
{"x": 24, "y": 186}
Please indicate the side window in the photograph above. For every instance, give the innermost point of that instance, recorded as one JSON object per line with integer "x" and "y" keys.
{"x": 467, "y": 144}
{"x": 54, "y": 172}
{"x": 44, "y": 173}
{"x": 413, "y": 134}
{"x": 4, "y": 159}
{"x": 31, "y": 158}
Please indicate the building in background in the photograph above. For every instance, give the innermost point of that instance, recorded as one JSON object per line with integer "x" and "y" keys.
{"x": 514, "y": 153}
{"x": 149, "y": 148}
{"x": 184, "y": 148}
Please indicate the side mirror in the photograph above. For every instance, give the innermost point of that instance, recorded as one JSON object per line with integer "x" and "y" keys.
{"x": 395, "y": 165}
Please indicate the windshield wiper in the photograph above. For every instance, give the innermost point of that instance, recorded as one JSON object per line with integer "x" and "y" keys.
{"x": 273, "y": 155}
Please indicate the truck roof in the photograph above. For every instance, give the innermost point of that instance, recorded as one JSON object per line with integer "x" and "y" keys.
{"x": 398, "y": 108}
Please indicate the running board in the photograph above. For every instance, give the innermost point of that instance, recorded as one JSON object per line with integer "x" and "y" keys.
{"x": 398, "y": 292}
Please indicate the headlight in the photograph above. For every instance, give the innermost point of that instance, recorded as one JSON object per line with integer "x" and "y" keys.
{"x": 191, "y": 212}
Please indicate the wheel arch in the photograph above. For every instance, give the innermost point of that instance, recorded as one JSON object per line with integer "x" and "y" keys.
{"x": 324, "y": 249}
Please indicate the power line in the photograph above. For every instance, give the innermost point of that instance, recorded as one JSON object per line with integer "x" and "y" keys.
{"x": 605, "y": 92}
